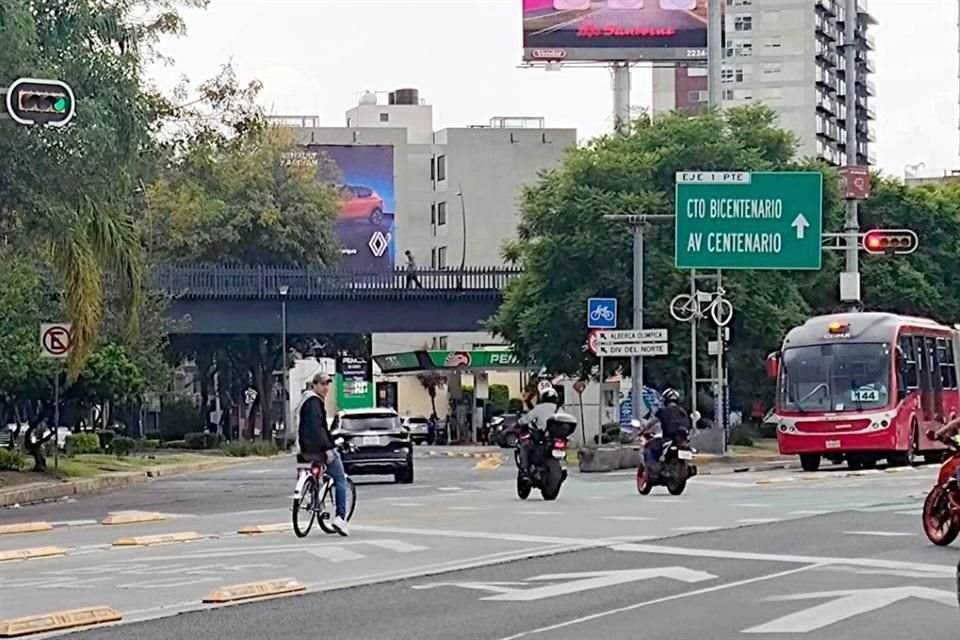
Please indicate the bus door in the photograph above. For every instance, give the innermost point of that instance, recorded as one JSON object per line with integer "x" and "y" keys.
{"x": 948, "y": 378}
{"x": 939, "y": 357}
{"x": 924, "y": 365}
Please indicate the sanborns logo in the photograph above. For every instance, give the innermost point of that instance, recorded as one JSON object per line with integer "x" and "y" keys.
{"x": 457, "y": 359}
{"x": 548, "y": 54}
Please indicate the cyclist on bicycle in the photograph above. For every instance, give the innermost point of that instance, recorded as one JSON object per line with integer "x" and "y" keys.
{"x": 317, "y": 445}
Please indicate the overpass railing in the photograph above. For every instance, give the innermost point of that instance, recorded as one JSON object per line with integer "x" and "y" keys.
{"x": 265, "y": 282}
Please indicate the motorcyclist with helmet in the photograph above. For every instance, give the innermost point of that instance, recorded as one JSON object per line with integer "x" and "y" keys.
{"x": 674, "y": 423}
{"x": 536, "y": 418}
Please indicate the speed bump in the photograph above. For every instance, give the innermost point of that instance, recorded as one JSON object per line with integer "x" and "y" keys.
{"x": 25, "y": 527}
{"x": 165, "y": 538}
{"x": 57, "y": 621}
{"x": 255, "y": 590}
{"x": 134, "y": 517}
{"x": 30, "y": 554}
{"x": 266, "y": 528}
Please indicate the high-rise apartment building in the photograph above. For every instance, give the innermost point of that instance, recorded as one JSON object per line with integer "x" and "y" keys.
{"x": 787, "y": 54}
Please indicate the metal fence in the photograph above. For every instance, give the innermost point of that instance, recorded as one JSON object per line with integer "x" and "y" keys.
{"x": 266, "y": 282}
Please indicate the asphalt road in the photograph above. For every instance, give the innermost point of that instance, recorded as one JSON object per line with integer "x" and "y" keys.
{"x": 457, "y": 555}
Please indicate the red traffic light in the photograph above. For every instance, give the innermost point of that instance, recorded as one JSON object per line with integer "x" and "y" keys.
{"x": 899, "y": 241}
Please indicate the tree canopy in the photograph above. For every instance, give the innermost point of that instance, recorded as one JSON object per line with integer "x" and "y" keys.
{"x": 569, "y": 253}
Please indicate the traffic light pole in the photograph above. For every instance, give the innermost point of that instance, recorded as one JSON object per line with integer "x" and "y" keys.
{"x": 850, "y": 278}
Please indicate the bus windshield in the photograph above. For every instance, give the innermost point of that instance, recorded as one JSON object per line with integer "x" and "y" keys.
{"x": 836, "y": 377}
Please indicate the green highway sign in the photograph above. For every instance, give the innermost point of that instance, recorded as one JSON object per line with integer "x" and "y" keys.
{"x": 739, "y": 220}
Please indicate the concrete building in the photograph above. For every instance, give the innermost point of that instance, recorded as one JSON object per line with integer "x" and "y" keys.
{"x": 456, "y": 192}
{"x": 787, "y": 54}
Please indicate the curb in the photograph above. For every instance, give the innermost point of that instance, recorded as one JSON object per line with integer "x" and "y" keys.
{"x": 40, "y": 492}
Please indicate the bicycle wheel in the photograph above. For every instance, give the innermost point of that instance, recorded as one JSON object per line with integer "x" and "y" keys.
{"x": 326, "y": 507}
{"x": 305, "y": 504}
{"x": 351, "y": 498}
{"x": 721, "y": 311}
{"x": 684, "y": 308}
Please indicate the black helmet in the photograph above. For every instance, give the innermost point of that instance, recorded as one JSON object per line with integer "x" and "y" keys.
{"x": 549, "y": 395}
{"x": 671, "y": 395}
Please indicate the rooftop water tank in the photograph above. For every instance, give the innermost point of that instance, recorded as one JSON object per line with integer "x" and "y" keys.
{"x": 404, "y": 96}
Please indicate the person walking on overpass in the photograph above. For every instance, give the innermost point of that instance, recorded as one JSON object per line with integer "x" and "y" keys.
{"x": 412, "y": 279}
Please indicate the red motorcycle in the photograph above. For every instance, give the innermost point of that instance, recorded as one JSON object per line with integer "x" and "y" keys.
{"x": 941, "y": 509}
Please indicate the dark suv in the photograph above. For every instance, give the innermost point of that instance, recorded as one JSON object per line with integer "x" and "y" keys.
{"x": 381, "y": 445}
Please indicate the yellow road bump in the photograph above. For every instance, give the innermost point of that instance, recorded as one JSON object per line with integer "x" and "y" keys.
{"x": 30, "y": 554}
{"x": 25, "y": 527}
{"x": 167, "y": 538}
{"x": 255, "y": 590}
{"x": 56, "y": 621}
{"x": 488, "y": 464}
{"x": 266, "y": 528}
{"x": 134, "y": 517}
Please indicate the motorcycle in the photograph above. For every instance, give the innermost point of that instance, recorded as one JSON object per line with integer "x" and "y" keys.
{"x": 547, "y": 455}
{"x": 674, "y": 467}
{"x": 941, "y": 509}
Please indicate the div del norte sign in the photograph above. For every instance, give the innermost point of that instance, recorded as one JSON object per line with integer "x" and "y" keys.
{"x": 739, "y": 220}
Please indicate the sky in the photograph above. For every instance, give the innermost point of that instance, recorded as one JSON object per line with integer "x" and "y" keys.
{"x": 316, "y": 57}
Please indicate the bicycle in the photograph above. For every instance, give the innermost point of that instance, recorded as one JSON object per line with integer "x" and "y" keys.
{"x": 602, "y": 313}
{"x": 686, "y": 307}
{"x": 314, "y": 491}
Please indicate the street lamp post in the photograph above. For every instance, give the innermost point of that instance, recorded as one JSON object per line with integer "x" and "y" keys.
{"x": 284, "y": 290}
{"x": 463, "y": 219}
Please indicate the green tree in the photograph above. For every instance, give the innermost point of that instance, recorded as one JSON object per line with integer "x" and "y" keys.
{"x": 72, "y": 188}
{"x": 569, "y": 253}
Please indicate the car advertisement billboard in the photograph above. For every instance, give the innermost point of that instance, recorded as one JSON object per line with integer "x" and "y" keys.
{"x": 614, "y": 30}
{"x": 363, "y": 176}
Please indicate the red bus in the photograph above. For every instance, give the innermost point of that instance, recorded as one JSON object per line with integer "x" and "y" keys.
{"x": 862, "y": 387}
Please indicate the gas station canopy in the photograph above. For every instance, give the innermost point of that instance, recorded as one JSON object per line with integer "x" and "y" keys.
{"x": 414, "y": 361}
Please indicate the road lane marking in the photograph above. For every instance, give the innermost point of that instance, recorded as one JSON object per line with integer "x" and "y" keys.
{"x": 809, "y": 512}
{"x": 406, "y": 504}
{"x": 721, "y": 554}
{"x": 133, "y": 517}
{"x": 887, "y": 534}
{"x": 464, "y": 508}
{"x": 335, "y": 554}
{"x": 165, "y": 538}
{"x": 647, "y": 603}
{"x": 752, "y": 505}
{"x": 696, "y": 529}
{"x": 397, "y": 545}
{"x": 74, "y": 523}
{"x": 757, "y": 520}
{"x": 627, "y": 518}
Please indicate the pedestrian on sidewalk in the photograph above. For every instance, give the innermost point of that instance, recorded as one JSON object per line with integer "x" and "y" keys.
{"x": 412, "y": 278}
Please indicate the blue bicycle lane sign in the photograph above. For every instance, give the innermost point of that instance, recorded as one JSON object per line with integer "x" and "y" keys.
{"x": 602, "y": 313}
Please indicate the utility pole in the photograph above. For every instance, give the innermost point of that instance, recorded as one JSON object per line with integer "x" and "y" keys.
{"x": 850, "y": 278}
{"x": 621, "y": 97}
{"x": 715, "y": 101}
{"x": 638, "y": 224}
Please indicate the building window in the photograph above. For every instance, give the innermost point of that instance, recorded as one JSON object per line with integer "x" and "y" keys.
{"x": 696, "y": 96}
{"x": 441, "y": 167}
{"x": 726, "y": 76}
{"x": 739, "y": 3}
{"x": 774, "y": 68}
{"x": 433, "y": 219}
{"x": 740, "y": 48}
{"x": 743, "y": 23}
{"x": 433, "y": 168}
{"x": 433, "y": 258}
{"x": 441, "y": 214}
{"x": 728, "y": 94}
{"x": 774, "y": 94}
{"x": 384, "y": 117}
{"x": 441, "y": 257}
{"x": 443, "y": 343}
{"x": 696, "y": 72}
{"x": 773, "y": 42}
{"x": 770, "y": 17}
{"x": 740, "y": 73}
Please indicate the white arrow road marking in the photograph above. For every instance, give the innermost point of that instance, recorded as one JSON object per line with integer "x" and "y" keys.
{"x": 800, "y": 224}
{"x": 845, "y": 604}
{"x": 596, "y": 579}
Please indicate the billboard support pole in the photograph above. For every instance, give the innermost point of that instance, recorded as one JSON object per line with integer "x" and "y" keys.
{"x": 715, "y": 101}
{"x": 850, "y": 279}
{"x": 621, "y": 97}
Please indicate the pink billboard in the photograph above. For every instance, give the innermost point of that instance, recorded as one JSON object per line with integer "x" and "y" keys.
{"x": 614, "y": 30}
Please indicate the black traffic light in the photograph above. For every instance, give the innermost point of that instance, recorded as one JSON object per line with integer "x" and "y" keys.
{"x": 33, "y": 101}
{"x": 901, "y": 241}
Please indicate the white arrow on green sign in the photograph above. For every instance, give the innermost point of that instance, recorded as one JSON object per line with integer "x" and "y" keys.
{"x": 739, "y": 220}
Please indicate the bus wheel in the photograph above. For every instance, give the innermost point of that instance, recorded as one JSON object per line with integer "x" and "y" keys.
{"x": 809, "y": 461}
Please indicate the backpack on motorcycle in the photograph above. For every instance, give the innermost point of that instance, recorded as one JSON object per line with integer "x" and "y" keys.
{"x": 561, "y": 426}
